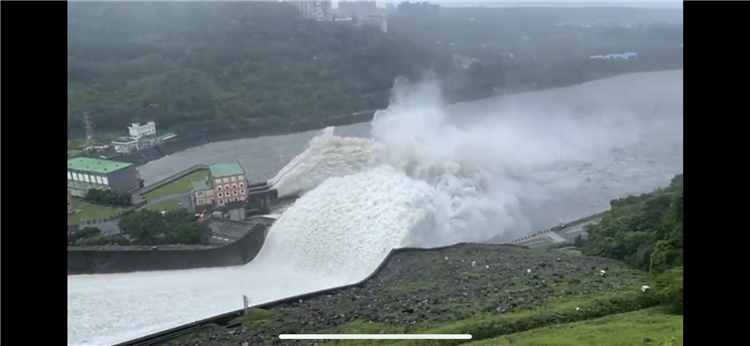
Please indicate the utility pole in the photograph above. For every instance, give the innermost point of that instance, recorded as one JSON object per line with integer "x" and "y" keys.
{"x": 89, "y": 129}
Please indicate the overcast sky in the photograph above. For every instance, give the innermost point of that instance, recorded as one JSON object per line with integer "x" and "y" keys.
{"x": 553, "y": 3}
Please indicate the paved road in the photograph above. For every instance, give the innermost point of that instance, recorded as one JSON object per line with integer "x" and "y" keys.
{"x": 564, "y": 235}
{"x": 107, "y": 227}
{"x": 183, "y": 199}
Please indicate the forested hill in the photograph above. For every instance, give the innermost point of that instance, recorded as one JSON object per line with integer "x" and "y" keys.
{"x": 227, "y": 65}
{"x": 224, "y": 65}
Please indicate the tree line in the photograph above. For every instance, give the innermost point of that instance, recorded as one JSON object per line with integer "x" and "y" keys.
{"x": 148, "y": 227}
{"x": 108, "y": 198}
{"x": 214, "y": 66}
{"x": 208, "y": 66}
{"x": 646, "y": 232}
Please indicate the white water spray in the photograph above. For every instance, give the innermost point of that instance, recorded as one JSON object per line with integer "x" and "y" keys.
{"x": 480, "y": 175}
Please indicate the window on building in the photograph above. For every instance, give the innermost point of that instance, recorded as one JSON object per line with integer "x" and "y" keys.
{"x": 105, "y": 180}
{"x": 200, "y": 201}
{"x": 240, "y": 177}
{"x": 87, "y": 178}
{"x": 217, "y": 181}
{"x": 70, "y": 176}
{"x": 99, "y": 180}
{"x": 218, "y": 188}
{"x": 220, "y": 194}
{"x": 242, "y": 184}
{"x": 226, "y": 187}
{"x": 200, "y": 194}
{"x": 221, "y": 201}
{"x": 226, "y": 180}
{"x": 233, "y": 179}
{"x": 234, "y": 193}
{"x": 242, "y": 192}
{"x": 234, "y": 186}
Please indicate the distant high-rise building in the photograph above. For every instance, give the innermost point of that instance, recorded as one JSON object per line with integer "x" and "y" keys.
{"x": 318, "y": 10}
{"x": 360, "y": 9}
{"x": 417, "y": 8}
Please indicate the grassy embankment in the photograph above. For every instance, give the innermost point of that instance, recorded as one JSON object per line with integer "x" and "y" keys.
{"x": 422, "y": 292}
{"x": 179, "y": 186}
{"x": 89, "y": 211}
{"x": 626, "y": 329}
{"x": 166, "y": 205}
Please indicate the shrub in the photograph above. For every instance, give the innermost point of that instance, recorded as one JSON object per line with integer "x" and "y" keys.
{"x": 669, "y": 289}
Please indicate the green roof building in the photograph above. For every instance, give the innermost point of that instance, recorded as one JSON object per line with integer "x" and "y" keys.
{"x": 224, "y": 170}
{"x": 85, "y": 173}
{"x": 226, "y": 183}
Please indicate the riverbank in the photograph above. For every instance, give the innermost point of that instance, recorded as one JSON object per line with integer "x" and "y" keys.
{"x": 194, "y": 139}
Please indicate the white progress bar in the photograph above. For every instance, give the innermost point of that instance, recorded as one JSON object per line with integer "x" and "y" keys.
{"x": 375, "y": 336}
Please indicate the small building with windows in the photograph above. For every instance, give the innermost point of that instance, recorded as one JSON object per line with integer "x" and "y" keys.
{"x": 140, "y": 137}
{"x": 136, "y": 130}
{"x": 226, "y": 183}
{"x": 203, "y": 193}
{"x": 86, "y": 173}
{"x": 229, "y": 182}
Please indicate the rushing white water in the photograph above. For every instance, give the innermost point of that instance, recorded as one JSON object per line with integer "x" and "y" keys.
{"x": 345, "y": 227}
{"x": 326, "y": 156}
{"x": 426, "y": 178}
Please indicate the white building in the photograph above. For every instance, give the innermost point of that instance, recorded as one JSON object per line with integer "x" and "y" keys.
{"x": 137, "y": 130}
{"x": 141, "y": 136}
{"x": 125, "y": 145}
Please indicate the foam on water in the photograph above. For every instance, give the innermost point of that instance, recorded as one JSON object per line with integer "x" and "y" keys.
{"x": 344, "y": 228}
{"x": 326, "y": 156}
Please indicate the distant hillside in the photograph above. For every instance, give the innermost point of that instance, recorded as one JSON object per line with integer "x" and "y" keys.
{"x": 226, "y": 65}
{"x": 213, "y": 66}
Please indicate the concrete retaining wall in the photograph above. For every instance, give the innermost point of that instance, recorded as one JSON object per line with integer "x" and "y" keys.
{"x": 131, "y": 259}
{"x": 140, "y": 157}
{"x": 557, "y": 228}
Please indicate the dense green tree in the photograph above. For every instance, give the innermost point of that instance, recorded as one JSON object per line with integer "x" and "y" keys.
{"x": 144, "y": 227}
{"x": 213, "y": 66}
{"x": 644, "y": 231}
{"x": 670, "y": 289}
{"x": 82, "y": 234}
{"x": 147, "y": 227}
{"x": 224, "y": 65}
{"x": 108, "y": 197}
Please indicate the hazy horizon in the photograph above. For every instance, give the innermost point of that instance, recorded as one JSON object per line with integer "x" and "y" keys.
{"x": 673, "y": 5}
